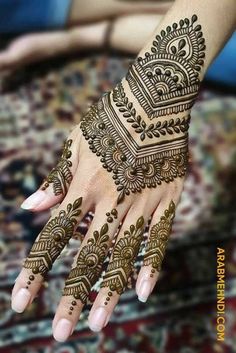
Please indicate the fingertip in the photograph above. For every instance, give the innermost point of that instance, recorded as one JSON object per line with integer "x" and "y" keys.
{"x": 34, "y": 200}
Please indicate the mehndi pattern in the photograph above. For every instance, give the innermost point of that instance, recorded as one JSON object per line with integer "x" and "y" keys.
{"x": 123, "y": 256}
{"x": 60, "y": 177}
{"x": 164, "y": 127}
{"x": 134, "y": 166}
{"x": 167, "y": 80}
{"x": 158, "y": 239}
{"x": 89, "y": 264}
{"x": 138, "y": 152}
{"x": 52, "y": 240}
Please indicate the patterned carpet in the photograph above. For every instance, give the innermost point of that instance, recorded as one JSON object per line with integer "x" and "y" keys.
{"x": 37, "y": 110}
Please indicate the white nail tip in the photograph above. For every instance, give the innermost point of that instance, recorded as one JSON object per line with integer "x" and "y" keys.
{"x": 20, "y": 300}
{"x": 62, "y": 330}
{"x": 34, "y": 200}
{"x": 144, "y": 290}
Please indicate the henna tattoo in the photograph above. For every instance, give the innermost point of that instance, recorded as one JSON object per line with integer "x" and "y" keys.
{"x": 159, "y": 236}
{"x": 89, "y": 264}
{"x": 52, "y": 240}
{"x": 167, "y": 80}
{"x": 60, "y": 177}
{"x": 140, "y": 126}
{"x": 164, "y": 82}
{"x": 134, "y": 167}
{"x": 122, "y": 260}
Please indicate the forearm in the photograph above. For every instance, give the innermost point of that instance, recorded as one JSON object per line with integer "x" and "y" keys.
{"x": 217, "y": 19}
{"x": 164, "y": 80}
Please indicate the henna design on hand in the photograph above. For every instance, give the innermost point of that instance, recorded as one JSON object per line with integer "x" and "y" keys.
{"x": 52, "y": 240}
{"x": 159, "y": 236}
{"x": 140, "y": 126}
{"x": 60, "y": 177}
{"x": 167, "y": 80}
{"x": 89, "y": 264}
{"x": 163, "y": 83}
{"x": 134, "y": 167}
{"x": 123, "y": 256}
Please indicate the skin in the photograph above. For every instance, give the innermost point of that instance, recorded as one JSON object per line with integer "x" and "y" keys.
{"x": 97, "y": 189}
{"x": 86, "y": 28}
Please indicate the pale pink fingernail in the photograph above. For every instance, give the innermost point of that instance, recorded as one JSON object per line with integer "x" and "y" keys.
{"x": 98, "y": 319}
{"x": 20, "y": 300}
{"x": 34, "y": 200}
{"x": 63, "y": 330}
{"x": 144, "y": 290}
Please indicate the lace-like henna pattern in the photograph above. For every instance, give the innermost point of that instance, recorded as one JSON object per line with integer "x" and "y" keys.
{"x": 60, "y": 176}
{"x": 122, "y": 260}
{"x": 159, "y": 236}
{"x": 140, "y": 126}
{"x": 134, "y": 167}
{"x": 52, "y": 240}
{"x": 89, "y": 264}
{"x": 166, "y": 81}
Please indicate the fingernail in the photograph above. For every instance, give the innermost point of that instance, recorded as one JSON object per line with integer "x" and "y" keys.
{"x": 20, "y": 300}
{"x": 62, "y": 330}
{"x": 144, "y": 291}
{"x": 34, "y": 200}
{"x": 98, "y": 319}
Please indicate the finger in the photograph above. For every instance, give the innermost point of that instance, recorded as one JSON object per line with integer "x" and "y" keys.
{"x": 159, "y": 233}
{"x": 119, "y": 268}
{"x": 45, "y": 250}
{"x": 56, "y": 184}
{"x": 8, "y": 58}
{"x": 86, "y": 269}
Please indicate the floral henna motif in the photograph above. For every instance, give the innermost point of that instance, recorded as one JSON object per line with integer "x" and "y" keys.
{"x": 159, "y": 236}
{"x": 167, "y": 80}
{"x": 122, "y": 260}
{"x": 89, "y": 264}
{"x": 60, "y": 177}
{"x": 52, "y": 240}
{"x": 170, "y": 126}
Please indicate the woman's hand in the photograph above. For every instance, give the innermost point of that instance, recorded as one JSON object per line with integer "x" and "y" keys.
{"x": 126, "y": 161}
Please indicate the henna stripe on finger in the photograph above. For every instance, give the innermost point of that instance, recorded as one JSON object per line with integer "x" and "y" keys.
{"x": 89, "y": 264}
{"x": 158, "y": 239}
{"x": 61, "y": 176}
{"x": 123, "y": 256}
{"x": 52, "y": 240}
